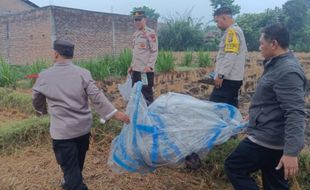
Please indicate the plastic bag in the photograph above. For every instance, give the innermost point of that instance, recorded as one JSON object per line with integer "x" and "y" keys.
{"x": 125, "y": 88}
{"x": 172, "y": 127}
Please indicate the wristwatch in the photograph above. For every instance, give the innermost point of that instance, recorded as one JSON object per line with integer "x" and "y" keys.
{"x": 220, "y": 76}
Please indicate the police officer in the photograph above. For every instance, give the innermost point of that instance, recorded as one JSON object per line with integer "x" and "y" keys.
{"x": 230, "y": 60}
{"x": 67, "y": 88}
{"x": 145, "y": 51}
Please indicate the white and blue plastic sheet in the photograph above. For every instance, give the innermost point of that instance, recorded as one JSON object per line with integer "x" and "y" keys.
{"x": 172, "y": 127}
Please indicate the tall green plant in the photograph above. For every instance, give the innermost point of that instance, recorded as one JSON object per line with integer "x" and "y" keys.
{"x": 123, "y": 62}
{"x": 38, "y": 66}
{"x": 35, "y": 68}
{"x": 181, "y": 32}
{"x": 99, "y": 68}
{"x": 108, "y": 65}
{"x": 188, "y": 58}
{"x": 165, "y": 61}
{"x": 204, "y": 59}
{"x": 8, "y": 75}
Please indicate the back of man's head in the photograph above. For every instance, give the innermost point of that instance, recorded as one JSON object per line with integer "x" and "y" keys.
{"x": 223, "y": 11}
{"x": 278, "y": 32}
{"x": 64, "y": 48}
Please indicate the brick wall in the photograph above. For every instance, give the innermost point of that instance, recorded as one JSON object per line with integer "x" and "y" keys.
{"x": 94, "y": 33}
{"x": 26, "y": 36}
{"x": 13, "y": 6}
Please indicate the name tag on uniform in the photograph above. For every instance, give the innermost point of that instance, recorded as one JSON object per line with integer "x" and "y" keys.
{"x": 142, "y": 45}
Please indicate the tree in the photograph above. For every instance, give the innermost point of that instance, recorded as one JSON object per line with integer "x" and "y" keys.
{"x": 212, "y": 38}
{"x": 149, "y": 12}
{"x": 295, "y": 12}
{"x": 252, "y": 25}
{"x": 181, "y": 33}
{"x": 295, "y": 16}
{"x": 225, "y": 3}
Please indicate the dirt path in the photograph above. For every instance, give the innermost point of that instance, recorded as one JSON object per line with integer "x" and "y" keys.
{"x": 9, "y": 115}
{"x": 35, "y": 168}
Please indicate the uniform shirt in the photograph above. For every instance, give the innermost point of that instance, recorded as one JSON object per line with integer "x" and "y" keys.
{"x": 231, "y": 56}
{"x": 145, "y": 49}
{"x": 67, "y": 88}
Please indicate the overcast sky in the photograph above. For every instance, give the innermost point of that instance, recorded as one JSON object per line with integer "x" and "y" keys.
{"x": 166, "y": 8}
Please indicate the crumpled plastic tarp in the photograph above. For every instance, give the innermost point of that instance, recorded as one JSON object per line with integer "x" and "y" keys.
{"x": 125, "y": 88}
{"x": 172, "y": 127}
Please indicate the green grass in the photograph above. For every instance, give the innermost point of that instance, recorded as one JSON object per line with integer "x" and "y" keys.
{"x": 101, "y": 68}
{"x": 8, "y": 75}
{"x": 38, "y": 66}
{"x": 216, "y": 157}
{"x": 106, "y": 66}
{"x": 188, "y": 58}
{"x": 304, "y": 171}
{"x": 185, "y": 68}
{"x": 15, "y": 135}
{"x": 34, "y": 130}
{"x": 123, "y": 62}
{"x": 204, "y": 59}
{"x": 12, "y": 99}
{"x": 165, "y": 62}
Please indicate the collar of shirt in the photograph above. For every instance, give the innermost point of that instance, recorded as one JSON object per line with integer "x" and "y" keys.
{"x": 64, "y": 63}
{"x": 233, "y": 24}
{"x": 272, "y": 60}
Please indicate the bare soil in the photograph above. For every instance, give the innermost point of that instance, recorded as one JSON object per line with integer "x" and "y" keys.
{"x": 35, "y": 168}
{"x": 9, "y": 115}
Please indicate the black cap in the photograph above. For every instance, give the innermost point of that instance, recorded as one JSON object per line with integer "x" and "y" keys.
{"x": 139, "y": 14}
{"x": 64, "y": 48}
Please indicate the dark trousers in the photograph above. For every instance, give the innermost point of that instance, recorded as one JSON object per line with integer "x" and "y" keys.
{"x": 147, "y": 90}
{"x": 249, "y": 157}
{"x": 70, "y": 155}
{"x": 228, "y": 93}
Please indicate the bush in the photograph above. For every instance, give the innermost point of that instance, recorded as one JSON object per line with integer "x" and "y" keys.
{"x": 204, "y": 59}
{"x": 22, "y": 133}
{"x": 106, "y": 66}
{"x": 8, "y": 76}
{"x": 12, "y": 99}
{"x": 181, "y": 32}
{"x": 165, "y": 61}
{"x": 123, "y": 62}
{"x": 38, "y": 66}
{"x": 188, "y": 58}
{"x": 99, "y": 68}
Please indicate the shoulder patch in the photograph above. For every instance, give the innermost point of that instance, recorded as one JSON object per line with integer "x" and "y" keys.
{"x": 232, "y": 42}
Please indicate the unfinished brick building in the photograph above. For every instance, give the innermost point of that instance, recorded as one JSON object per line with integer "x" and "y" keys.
{"x": 27, "y": 31}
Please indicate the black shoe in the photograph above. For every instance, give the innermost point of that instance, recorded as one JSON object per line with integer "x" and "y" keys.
{"x": 64, "y": 186}
{"x": 193, "y": 161}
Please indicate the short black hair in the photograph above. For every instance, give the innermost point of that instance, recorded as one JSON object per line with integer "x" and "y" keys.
{"x": 278, "y": 32}
{"x": 222, "y": 11}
